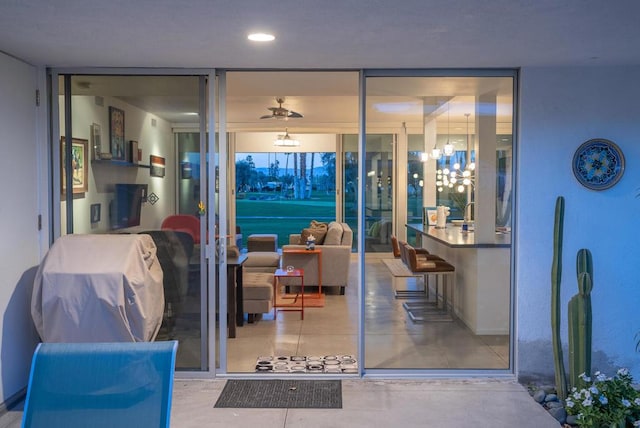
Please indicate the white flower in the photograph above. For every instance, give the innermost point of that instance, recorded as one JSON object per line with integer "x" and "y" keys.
{"x": 584, "y": 377}
{"x": 623, "y": 371}
{"x": 594, "y": 390}
{"x": 625, "y": 402}
{"x": 603, "y": 399}
{"x": 601, "y": 377}
{"x": 577, "y": 395}
{"x": 587, "y": 402}
{"x": 569, "y": 403}
{"x": 637, "y": 401}
{"x": 636, "y": 423}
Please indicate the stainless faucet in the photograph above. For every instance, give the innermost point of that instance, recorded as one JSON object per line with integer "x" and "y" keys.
{"x": 467, "y": 218}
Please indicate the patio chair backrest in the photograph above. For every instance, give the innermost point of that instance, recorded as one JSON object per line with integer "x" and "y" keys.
{"x": 123, "y": 384}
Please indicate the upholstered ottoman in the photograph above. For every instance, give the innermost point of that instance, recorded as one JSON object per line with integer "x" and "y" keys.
{"x": 261, "y": 261}
{"x": 262, "y": 242}
{"x": 257, "y": 293}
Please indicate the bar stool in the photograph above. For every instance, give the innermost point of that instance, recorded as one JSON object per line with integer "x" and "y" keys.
{"x": 421, "y": 254}
{"x": 421, "y": 311}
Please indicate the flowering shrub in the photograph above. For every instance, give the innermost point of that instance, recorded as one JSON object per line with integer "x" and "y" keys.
{"x": 610, "y": 402}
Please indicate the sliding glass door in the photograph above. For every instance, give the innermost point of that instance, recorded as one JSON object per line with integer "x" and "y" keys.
{"x": 453, "y": 143}
{"x": 117, "y": 165}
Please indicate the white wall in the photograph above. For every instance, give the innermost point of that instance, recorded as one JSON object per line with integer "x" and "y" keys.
{"x": 152, "y": 139}
{"x": 18, "y": 217}
{"x": 560, "y": 109}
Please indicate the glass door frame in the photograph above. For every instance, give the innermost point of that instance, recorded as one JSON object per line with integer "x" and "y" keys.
{"x": 207, "y": 282}
{"x": 400, "y": 213}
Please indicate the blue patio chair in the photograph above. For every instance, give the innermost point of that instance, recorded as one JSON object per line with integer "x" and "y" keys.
{"x": 124, "y": 384}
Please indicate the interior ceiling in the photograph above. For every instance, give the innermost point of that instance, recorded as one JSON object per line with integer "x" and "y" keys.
{"x": 320, "y": 35}
{"x": 327, "y": 100}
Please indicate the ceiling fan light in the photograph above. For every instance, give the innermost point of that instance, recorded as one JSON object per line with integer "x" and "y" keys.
{"x": 286, "y": 140}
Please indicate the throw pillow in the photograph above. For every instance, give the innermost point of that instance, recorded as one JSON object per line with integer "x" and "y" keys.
{"x": 318, "y": 225}
{"x": 334, "y": 234}
{"x": 319, "y": 234}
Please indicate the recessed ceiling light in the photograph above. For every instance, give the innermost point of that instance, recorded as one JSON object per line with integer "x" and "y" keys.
{"x": 261, "y": 37}
{"x": 191, "y": 113}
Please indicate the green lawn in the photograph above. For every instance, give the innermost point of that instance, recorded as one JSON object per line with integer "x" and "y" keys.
{"x": 269, "y": 213}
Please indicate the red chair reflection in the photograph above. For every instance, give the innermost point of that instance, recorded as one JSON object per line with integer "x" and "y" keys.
{"x": 183, "y": 223}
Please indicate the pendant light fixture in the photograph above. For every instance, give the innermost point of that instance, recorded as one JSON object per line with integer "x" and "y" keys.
{"x": 448, "y": 148}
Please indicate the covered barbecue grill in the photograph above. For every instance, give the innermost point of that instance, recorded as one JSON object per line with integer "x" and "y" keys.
{"x": 99, "y": 288}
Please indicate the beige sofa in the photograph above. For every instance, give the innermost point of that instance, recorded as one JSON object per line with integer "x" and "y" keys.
{"x": 336, "y": 256}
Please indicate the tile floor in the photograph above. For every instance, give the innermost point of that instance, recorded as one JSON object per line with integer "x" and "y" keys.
{"x": 366, "y": 403}
{"x": 392, "y": 340}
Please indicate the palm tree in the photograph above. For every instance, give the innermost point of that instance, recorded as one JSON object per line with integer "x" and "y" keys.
{"x": 303, "y": 176}
{"x": 313, "y": 155}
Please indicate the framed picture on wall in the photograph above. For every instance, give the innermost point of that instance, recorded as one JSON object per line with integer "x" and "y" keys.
{"x": 116, "y": 133}
{"x": 79, "y": 165}
{"x": 157, "y": 166}
{"x": 95, "y": 213}
{"x": 96, "y": 141}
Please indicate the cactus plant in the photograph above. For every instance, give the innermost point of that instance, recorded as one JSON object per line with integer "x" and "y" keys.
{"x": 556, "y": 275}
{"x": 580, "y": 326}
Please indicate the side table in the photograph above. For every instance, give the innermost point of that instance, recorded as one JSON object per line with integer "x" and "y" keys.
{"x": 315, "y": 252}
{"x": 294, "y": 306}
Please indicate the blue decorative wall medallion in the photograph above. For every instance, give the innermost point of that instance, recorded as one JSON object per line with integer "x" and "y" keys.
{"x": 598, "y": 164}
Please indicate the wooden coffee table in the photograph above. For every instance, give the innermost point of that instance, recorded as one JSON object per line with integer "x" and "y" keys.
{"x": 294, "y": 306}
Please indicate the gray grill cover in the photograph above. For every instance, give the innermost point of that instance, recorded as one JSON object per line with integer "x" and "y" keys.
{"x": 99, "y": 288}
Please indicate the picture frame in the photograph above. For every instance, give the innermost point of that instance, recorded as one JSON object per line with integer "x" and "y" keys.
{"x": 132, "y": 153}
{"x": 95, "y": 213}
{"x": 80, "y": 165}
{"x": 116, "y": 134}
{"x": 156, "y": 166}
{"x": 96, "y": 141}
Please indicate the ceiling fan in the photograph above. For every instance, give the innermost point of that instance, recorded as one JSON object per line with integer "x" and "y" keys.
{"x": 280, "y": 112}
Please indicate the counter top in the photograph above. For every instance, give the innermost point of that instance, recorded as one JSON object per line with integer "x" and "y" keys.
{"x": 454, "y": 237}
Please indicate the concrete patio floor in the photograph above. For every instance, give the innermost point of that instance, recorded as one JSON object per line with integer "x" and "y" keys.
{"x": 366, "y": 403}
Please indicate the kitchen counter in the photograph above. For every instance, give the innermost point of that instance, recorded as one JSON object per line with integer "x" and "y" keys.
{"x": 482, "y": 275}
{"x": 454, "y": 237}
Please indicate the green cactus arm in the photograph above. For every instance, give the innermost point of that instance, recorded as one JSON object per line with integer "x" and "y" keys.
{"x": 556, "y": 275}
{"x": 584, "y": 263}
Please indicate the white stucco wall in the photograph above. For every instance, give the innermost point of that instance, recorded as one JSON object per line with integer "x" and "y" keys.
{"x": 18, "y": 216}
{"x": 560, "y": 108}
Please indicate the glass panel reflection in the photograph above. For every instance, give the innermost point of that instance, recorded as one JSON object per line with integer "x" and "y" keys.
{"x": 455, "y": 136}
{"x": 124, "y": 182}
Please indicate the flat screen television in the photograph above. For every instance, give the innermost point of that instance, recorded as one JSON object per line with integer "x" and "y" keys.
{"x": 127, "y": 205}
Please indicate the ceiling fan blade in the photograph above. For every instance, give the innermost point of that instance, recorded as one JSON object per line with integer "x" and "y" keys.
{"x": 267, "y": 116}
{"x": 294, "y": 114}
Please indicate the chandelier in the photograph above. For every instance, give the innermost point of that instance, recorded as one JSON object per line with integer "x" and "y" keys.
{"x": 456, "y": 177}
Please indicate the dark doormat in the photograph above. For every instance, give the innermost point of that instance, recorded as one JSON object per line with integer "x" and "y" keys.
{"x": 278, "y": 393}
